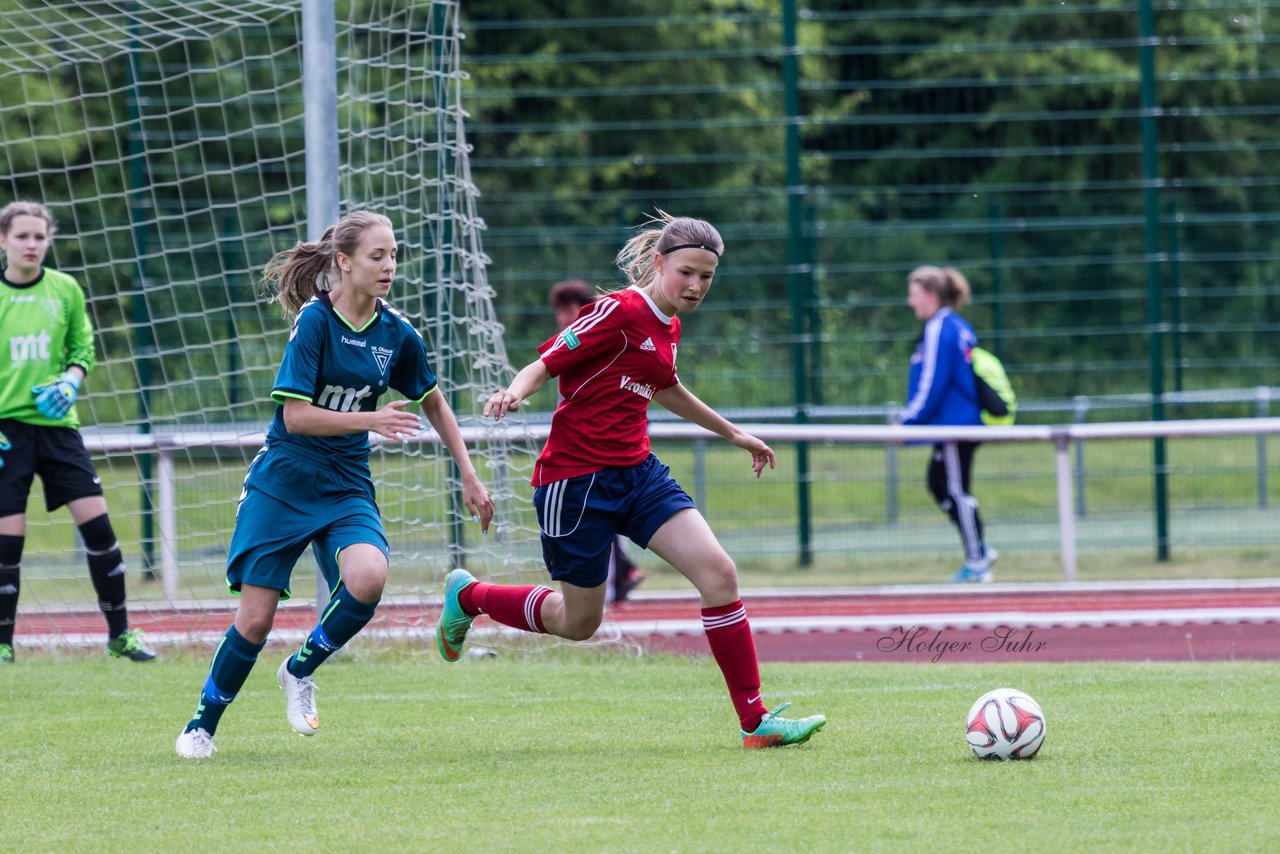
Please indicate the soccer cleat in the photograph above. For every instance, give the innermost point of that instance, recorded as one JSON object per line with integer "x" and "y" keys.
{"x": 979, "y": 572}
{"x": 967, "y": 574}
{"x": 6, "y": 653}
{"x": 195, "y": 744}
{"x": 451, "y": 630}
{"x": 300, "y": 700}
{"x": 775, "y": 731}
{"x": 130, "y": 645}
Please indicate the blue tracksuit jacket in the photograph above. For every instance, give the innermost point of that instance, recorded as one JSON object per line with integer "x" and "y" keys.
{"x": 941, "y": 388}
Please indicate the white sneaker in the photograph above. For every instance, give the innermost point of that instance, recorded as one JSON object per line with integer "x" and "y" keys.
{"x": 300, "y": 699}
{"x": 195, "y": 744}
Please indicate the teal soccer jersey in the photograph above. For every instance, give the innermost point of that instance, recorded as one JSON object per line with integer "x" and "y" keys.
{"x": 329, "y": 364}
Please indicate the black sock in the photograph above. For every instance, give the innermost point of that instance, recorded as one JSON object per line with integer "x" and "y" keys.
{"x": 106, "y": 571}
{"x": 10, "y": 582}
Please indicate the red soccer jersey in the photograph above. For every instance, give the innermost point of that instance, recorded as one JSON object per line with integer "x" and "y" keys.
{"x": 611, "y": 360}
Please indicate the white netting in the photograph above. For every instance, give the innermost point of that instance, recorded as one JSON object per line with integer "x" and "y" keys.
{"x": 168, "y": 140}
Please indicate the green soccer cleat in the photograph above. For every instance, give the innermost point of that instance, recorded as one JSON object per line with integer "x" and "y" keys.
{"x": 130, "y": 645}
{"x": 6, "y": 653}
{"x": 774, "y": 731}
{"x": 451, "y": 631}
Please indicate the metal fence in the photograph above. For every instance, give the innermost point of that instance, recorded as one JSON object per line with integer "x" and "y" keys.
{"x": 1104, "y": 174}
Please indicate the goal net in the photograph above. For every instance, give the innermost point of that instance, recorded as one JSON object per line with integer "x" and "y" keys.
{"x": 167, "y": 138}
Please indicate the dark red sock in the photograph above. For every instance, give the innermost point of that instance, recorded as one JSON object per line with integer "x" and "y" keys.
{"x": 729, "y": 635}
{"x": 518, "y": 607}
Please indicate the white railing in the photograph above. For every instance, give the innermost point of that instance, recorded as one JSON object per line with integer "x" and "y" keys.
{"x": 165, "y": 444}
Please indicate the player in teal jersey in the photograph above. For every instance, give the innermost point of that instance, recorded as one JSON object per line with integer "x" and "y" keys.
{"x": 310, "y": 484}
{"x": 46, "y": 349}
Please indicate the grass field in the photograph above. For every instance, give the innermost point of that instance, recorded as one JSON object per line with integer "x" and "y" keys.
{"x": 593, "y": 751}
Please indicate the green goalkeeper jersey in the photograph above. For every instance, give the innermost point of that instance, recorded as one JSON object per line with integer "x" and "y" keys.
{"x": 44, "y": 329}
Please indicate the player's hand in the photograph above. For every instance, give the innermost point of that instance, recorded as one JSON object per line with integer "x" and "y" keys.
{"x": 478, "y": 501}
{"x": 761, "y": 454}
{"x": 55, "y": 398}
{"x": 502, "y": 403}
{"x": 392, "y": 422}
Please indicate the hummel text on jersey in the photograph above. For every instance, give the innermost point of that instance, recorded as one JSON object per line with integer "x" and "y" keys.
{"x": 27, "y": 348}
{"x": 644, "y": 390}
{"x": 648, "y": 345}
{"x": 341, "y": 399}
{"x": 354, "y": 342}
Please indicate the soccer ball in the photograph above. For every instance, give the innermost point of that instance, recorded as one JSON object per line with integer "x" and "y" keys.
{"x": 1005, "y": 724}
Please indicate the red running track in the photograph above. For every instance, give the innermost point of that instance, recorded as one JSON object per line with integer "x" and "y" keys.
{"x": 991, "y": 623}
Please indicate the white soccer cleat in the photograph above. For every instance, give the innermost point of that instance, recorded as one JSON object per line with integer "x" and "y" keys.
{"x": 300, "y": 699}
{"x": 195, "y": 744}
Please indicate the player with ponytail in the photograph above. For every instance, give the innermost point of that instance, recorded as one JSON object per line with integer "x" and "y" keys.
{"x": 597, "y": 478}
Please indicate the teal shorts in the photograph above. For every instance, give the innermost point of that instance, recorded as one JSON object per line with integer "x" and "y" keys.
{"x": 293, "y": 500}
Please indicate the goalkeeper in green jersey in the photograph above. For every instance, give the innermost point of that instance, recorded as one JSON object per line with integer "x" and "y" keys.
{"x": 46, "y": 348}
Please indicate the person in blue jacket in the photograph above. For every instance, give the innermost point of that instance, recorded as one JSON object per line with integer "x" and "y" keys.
{"x": 941, "y": 390}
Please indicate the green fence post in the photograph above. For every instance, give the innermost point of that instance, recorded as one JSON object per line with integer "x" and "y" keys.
{"x": 796, "y": 269}
{"x": 1151, "y": 183}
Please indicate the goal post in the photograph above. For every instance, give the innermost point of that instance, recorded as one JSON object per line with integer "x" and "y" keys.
{"x": 169, "y": 139}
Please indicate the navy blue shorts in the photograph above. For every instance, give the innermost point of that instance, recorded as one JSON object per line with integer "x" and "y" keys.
{"x": 57, "y": 454}
{"x": 580, "y": 517}
{"x": 289, "y": 502}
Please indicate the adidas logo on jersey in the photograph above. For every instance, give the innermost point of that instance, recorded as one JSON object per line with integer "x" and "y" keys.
{"x": 648, "y": 345}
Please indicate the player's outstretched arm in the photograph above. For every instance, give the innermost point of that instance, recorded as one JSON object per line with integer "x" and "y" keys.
{"x": 391, "y": 421}
{"x": 682, "y": 402}
{"x": 474, "y": 496}
{"x": 532, "y": 377}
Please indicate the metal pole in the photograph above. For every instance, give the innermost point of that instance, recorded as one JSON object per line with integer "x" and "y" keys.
{"x": 1081, "y": 411}
{"x": 1151, "y": 184}
{"x": 168, "y": 525}
{"x": 797, "y": 269}
{"x": 320, "y": 128}
{"x": 891, "y": 506}
{"x": 439, "y": 27}
{"x": 1066, "y": 515}
{"x": 320, "y": 119}
{"x": 700, "y": 475}
{"x": 1262, "y": 409}
{"x": 144, "y": 342}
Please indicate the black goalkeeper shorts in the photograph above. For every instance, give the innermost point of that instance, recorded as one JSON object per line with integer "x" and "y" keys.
{"x": 57, "y": 454}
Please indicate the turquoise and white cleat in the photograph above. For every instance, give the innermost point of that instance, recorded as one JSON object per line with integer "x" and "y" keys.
{"x": 451, "y": 630}
{"x": 775, "y": 731}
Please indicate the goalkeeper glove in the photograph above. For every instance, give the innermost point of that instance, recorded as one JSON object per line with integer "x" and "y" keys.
{"x": 54, "y": 398}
